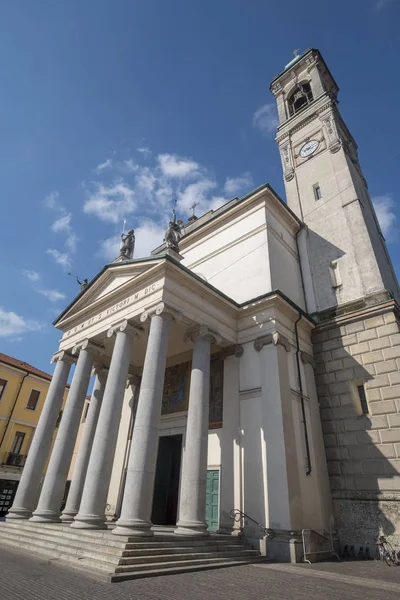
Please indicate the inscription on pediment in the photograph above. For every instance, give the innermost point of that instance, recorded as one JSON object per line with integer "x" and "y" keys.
{"x": 115, "y": 308}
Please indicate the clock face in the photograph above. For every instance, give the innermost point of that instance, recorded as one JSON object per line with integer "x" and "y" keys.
{"x": 309, "y": 148}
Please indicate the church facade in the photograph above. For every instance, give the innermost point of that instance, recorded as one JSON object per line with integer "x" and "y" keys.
{"x": 250, "y": 363}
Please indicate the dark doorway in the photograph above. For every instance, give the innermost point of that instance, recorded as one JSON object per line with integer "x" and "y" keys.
{"x": 166, "y": 488}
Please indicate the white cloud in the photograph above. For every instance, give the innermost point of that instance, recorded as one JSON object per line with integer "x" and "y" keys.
{"x": 111, "y": 204}
{"x": 149, "y": 235}
{"x": 109, "y": 248}
{"x": 52, "y": 295}
{"x": 196, "y": 193}
{"x": 71, "y": 242}
{"x": 172, "y": 165}
{"x": 234, "y": 185}
{"x": 51, "y": 201}
{"x": 130, "y": 166}
{"x": 107, "y": 164}
{"x": 61, "y": 258}
{"x": 145, "y": 180}
{"x": 265, "y": 118}
{"x": 381, "y": 4}
{"x": 12, "y": 324}
{"x": 145, "y": 152}
{"x": 63, "y": 223}
{"x": 31, "y": 275}
{"x": 384, "y": 208}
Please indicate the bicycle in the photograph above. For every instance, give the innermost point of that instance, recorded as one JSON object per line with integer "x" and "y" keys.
{"x": 386, "y": 552}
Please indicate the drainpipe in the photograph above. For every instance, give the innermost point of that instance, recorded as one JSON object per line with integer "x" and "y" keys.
{"x": 303, "y": 410}
{"x": 296, "y": 237}
{"x": 12, "y": 409}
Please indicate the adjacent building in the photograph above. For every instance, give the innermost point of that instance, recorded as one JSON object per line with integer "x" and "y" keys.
{"x": 23, "y": 391}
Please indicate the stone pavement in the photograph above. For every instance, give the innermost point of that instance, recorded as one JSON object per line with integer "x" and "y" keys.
{"x": 23, "y": 577}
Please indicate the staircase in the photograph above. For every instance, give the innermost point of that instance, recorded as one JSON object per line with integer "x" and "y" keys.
{"x": 118, "y": 558}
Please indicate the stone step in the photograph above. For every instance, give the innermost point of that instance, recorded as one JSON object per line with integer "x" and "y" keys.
{"x": 118, "y": 556}
{"x": 177, "y": 569}
{"x": 198, "y": 562}
{"x": 76, "y": 539}
{"x": 104, "y": 538}
{"x": 157, "y": 549}
{"x": 57, "y": 549}
{"x": 160, "y": 558}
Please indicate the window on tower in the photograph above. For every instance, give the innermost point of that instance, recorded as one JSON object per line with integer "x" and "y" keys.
{"x": 299, "y": 98}
{"x": 317, "y": 192}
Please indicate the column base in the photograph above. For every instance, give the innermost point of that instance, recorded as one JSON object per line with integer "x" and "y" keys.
{"x": 45, "y": 516}
{"x": 197, "y": 528}
{"x": 88, "y": 522}
{"x": 132, "y": 527}
{"x": 18, "y": 513}
{"x": 68, "y": 517}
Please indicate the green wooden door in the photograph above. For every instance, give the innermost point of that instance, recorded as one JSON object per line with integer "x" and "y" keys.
{"x": 212, "y": 500}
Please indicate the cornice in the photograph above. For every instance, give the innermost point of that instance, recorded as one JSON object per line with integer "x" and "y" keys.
{"x": 275, "y": 338}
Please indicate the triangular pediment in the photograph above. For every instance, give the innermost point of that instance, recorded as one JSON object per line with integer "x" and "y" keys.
{"x": 108, "y": 284}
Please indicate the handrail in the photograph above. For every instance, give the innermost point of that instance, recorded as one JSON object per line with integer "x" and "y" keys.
{"x": 237, "y": 515}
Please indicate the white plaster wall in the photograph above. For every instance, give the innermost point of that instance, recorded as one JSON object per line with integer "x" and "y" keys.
{"x": 214, "y": 449}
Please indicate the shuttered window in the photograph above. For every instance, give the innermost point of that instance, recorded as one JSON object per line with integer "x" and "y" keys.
{"x": 33, "y": 400}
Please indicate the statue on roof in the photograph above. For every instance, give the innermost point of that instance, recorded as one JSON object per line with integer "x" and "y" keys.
{"x": 127, "y": 246}
{"x": 174, "y": 232}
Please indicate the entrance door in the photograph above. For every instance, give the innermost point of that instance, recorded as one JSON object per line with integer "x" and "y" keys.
{"x": 166, "y": 488}
{"x": 8, "y": 489}
{"x": 212, "y": 500}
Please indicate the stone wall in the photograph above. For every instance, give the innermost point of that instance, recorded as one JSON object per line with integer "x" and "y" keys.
{"x": 363, "y": 450}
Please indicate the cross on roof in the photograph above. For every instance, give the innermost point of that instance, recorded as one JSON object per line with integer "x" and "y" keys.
{"x": 193, "y": 207}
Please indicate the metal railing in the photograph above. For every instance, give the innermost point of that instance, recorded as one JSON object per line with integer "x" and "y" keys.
{"x": 239, "y": 516}
{"x": 12, "y": 459}
{"x": 316, "y": 542}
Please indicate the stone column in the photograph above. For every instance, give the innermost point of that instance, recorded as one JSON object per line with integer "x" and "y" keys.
{"x": 48, "y": 508}
{"x": 283, "y": 498}
{"x": 28, "y": 490}
{"x": 192, "y": 504}
{"x": 137, "y": 503}
{"x": 230, "y": 496}
{"x": 85, "y": 446}
{"x": 94, "y": 497}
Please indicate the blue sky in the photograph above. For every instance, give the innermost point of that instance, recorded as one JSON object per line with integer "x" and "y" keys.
{"x": 109, "y": 109}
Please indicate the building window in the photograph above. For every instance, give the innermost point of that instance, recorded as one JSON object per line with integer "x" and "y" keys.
{"x": 317, "y": 192}
{"x": 299, "y": 98}
{"x": 33, "y": 400}
{"x": 85, "y": 412}
{"x": 363, "y": 399}
{"x": 17, "y": 443}
{"x": 3, "y": 383}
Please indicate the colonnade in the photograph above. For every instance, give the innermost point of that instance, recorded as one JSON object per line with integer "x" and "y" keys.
{"x": 86, "y": 502}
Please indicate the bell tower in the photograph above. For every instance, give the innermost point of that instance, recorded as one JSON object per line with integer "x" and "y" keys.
{"x": 347, "y": 258}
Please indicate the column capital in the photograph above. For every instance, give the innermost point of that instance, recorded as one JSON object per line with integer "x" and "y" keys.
{"x": 235, "y": 350}
{"x": 161, "y": 310}
{"x": 99, "y": 369}
{"x": 202, "y": 331}
{"x": 89, "y": 346}
{"x": 64, "y": 355}
{"x": 132, "y": 379}
{"x": 307, "y": 359}
{"x": 125, "y": 327}
{"x": 274, "y": 338}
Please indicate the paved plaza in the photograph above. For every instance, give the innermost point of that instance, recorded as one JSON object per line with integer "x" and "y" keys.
{"x": 23, "y": 577}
